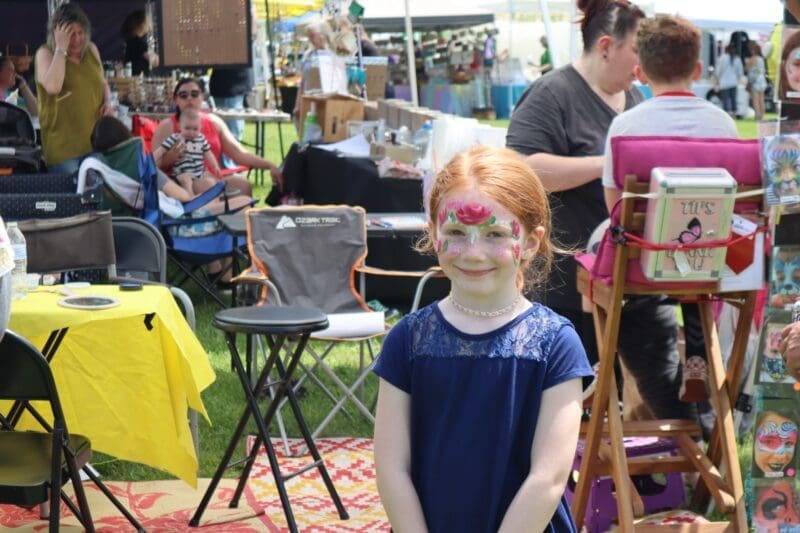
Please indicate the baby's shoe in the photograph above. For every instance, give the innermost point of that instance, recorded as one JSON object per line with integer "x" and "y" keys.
{"x": 695, "y": 380}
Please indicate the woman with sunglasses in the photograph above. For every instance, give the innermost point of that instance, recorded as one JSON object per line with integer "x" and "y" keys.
{"x": 72, "y": 91}
{"x": 189, "y": 95}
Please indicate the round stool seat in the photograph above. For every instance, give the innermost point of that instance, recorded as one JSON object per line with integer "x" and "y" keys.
{"x": 270, "y": 320}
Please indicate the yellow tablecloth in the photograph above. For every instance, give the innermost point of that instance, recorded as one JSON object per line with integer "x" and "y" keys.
{"x": 124, "y": 380}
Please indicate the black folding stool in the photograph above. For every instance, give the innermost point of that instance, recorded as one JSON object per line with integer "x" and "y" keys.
{"x": 276, "y": 324}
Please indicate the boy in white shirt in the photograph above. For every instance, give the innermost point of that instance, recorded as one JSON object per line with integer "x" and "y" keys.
{"x": 669, "y": 52}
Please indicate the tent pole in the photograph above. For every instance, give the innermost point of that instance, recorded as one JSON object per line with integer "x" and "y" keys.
{"x": 271, "y": 54}
{"x": 412, "y": 64}
{"x": 573, "y": 32}
{"x": 548, "y": 30}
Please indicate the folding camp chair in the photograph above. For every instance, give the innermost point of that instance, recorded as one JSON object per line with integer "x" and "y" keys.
{"x": 616, "y": 273}
{"x": 311, "y": 255}
{"x": 146, "y": 128}
{"x": 130, "y": 177}
{"x": 80, "y": 242}
{"x": 48, "y": 195}
{"x": 37, "y": 463}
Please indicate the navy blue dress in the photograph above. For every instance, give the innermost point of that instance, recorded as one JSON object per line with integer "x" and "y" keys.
{"x": 475, "y": 402}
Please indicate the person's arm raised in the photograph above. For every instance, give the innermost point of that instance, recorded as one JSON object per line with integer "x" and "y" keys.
{"x": 51, "y": 65}
{"x": 552, "y": 453}
{"x": 393, "y": 460}
{"x": 166, "y": 158}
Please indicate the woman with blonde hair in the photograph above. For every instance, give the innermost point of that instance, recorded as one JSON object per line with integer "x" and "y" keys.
{"x": 71, "y": 88}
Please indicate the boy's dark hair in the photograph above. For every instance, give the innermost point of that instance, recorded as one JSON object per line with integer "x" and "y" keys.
{"x": 668, "y": 48}
{"x": 109, "y": 132}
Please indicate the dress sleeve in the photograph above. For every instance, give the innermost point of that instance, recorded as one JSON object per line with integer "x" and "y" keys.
{"x": 537, "y": 125}
{"x": 394, "y": 361}
{"x": 567, "y": 358}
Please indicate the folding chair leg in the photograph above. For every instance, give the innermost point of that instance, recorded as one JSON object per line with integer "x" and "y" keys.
{"x": 193, "y": 427}
{"x": 113, "y": 499}
{"x": 348, "y": 391}
{"x": 260, "y": 350}
{"x": 85, "y": 515}
{"x": 721, "y": 401}
{"x": 348, "y": 395}
{"x": 714, "y": 451}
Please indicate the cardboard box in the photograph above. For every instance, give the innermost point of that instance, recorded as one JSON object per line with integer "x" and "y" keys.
{"x": 334, "y": 111}
{"x": 327, "y": 74}
{"x": 393, "y": 118}
{"x": 377, "y": 71}
{"x": 404, "y": 116}
{"x": 421, "y": 115}
{"x": 383, "y": 110}
{"x": 690, "y": 206}
{"x": 371, "y": 111}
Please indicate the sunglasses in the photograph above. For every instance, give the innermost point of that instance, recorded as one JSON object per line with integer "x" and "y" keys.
{"x": 183, "y": 95}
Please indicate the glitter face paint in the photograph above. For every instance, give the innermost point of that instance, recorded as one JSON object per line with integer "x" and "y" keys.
{"x": 774, "y": 445}
{"x": 470, "y": 224}
{"x": 480, "y": 245}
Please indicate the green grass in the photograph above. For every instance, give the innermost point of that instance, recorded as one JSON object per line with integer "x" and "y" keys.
{"x": 224, "y": 399}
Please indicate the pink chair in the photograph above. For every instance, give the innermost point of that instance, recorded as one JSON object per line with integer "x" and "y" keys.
{"x": 614, "y": 273}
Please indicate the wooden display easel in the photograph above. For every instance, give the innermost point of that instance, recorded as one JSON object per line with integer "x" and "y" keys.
{"x": 719, "y": 468}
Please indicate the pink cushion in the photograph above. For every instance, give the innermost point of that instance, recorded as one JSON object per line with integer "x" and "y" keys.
{"x": 639, "y": 155}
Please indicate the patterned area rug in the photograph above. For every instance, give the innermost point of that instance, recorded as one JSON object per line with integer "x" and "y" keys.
{"x": 167, "y": 506}
{"x": 350, "y": 465}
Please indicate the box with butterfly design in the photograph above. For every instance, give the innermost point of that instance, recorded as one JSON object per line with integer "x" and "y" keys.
{"x": 687, "y": 206}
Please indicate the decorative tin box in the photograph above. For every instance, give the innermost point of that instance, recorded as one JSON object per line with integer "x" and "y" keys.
{"x": 687, "y": 206}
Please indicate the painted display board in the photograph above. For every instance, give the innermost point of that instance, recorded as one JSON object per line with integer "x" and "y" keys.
{"x": 204, "y": 33}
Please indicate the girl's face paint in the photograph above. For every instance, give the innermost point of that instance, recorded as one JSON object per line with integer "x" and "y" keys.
{"x": 479, "y": 244}
{"x": 793, "y": 69}
{"x": 775, "y": 442}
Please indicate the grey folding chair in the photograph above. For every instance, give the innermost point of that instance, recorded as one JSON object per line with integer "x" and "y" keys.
{"x": 311, "y": 255}
{"x": 80, "y": 242}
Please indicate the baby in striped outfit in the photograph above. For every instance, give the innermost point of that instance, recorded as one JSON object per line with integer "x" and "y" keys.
{"x": 190, "y": 166}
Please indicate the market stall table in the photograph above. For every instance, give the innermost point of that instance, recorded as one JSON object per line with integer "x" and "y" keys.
{"x": 323, "y": 177}
{"x": 126, "y": 375}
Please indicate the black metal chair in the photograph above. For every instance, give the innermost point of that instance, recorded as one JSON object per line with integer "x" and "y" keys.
{"x": 35, "y": 464}
{"x": 276, "y": 324}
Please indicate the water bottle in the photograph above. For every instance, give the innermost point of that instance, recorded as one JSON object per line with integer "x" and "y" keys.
{"x": 423, "y": 146}
{"x": 422, "y": 139}
{"x": 19, "y": 275}
{"x": 312, "y": 131}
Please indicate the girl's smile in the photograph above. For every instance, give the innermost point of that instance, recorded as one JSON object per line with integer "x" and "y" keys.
{"x": 480, "y": 245}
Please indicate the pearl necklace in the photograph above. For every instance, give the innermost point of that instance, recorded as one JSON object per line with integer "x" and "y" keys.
{"x": 486, "y": 314}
